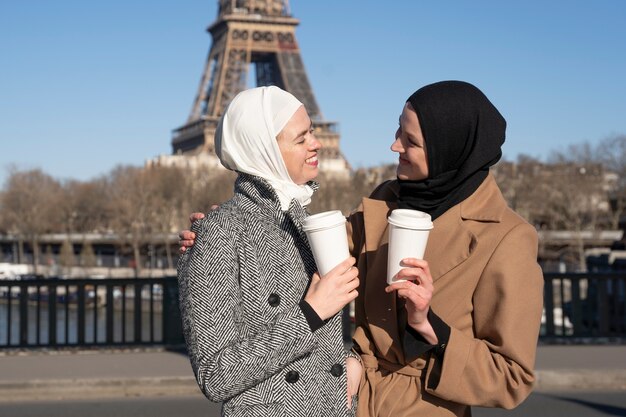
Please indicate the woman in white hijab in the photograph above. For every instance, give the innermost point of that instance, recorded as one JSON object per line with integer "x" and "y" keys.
{"x": 261, "y": 327}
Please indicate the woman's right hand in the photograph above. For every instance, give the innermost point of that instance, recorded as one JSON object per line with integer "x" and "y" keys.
{"x": 186, "y": 238}
{"x": 329, "y": 294}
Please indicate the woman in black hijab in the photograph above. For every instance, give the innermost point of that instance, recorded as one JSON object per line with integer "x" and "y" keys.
{"x": 462, "y": 329}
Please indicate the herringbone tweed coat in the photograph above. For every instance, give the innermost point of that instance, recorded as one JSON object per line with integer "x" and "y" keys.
{"x": 249, "y": 342}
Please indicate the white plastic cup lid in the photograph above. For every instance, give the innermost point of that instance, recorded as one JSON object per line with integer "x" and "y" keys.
{"x": 410, "y": 219}
{"x": 323, "y": 220}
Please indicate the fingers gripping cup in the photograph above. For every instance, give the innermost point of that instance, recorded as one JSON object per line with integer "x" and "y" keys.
{"x": 408, "y": 235}
{"x": 327, "y": 237}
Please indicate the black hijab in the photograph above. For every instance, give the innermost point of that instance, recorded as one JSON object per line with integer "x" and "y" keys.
{"x": 463, "y": 133}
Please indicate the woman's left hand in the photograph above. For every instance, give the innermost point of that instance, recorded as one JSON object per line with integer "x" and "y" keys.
{"x": 353, "y": 373}
{"x": 417, "y": 291}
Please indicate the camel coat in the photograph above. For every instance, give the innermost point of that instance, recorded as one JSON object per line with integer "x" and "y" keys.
{"x": 488, "y": 290}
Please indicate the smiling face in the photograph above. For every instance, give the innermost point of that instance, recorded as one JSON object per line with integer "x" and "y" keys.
{"x": 298, "y": 147}
{"x": 410, "y": 145}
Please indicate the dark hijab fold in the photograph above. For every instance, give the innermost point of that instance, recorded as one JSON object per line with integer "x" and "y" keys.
{"x": 463, "y": 133}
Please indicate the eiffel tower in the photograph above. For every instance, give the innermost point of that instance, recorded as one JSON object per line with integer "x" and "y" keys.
{"x": 253, "y": 38}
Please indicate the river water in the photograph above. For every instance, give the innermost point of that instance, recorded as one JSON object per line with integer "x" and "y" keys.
{"x": 67, "y": 325}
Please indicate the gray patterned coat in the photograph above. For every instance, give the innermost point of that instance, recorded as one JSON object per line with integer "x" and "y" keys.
{"x": 249, "y": 342}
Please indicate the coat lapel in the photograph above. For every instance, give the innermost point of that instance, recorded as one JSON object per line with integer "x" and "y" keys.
{"x": 449, "y": 237}
{"x": 375, "y": 213}
{"x": 450, "y": 241}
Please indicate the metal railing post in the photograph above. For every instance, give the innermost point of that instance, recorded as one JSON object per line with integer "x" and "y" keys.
{"x": 109, "y": 314}
{"x": 137, "y": 312}
{"x": 23, "y": 315}
{"x": 52, "y": 315}
{"x": 548, "y": 300}
{"x": 576, "y": 318}
{"x": 80, "y": 332}
{"x": 172, "y": 321}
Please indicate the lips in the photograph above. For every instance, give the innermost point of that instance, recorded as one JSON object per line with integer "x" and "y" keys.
{"x": 312, "y": 161}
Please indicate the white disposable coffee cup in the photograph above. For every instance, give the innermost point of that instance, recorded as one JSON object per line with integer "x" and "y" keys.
{"x": 328, "y": 239}
{"x": 408, "y": 235}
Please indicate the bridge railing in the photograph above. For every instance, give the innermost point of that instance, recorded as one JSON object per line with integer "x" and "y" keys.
{"x": 584, "y": 305}
{"x": 55, "y": 313}
{"x": 89, "y": 312}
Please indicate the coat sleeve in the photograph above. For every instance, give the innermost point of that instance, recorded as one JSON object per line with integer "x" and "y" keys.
{"x": 225, "y": 362}
{"x": 495, "y": 367}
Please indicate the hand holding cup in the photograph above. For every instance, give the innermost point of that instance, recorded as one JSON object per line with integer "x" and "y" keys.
{"x": 330, "y": 293}
{"x": 326, "y": 233}
{"x": 415, "y": 286}
{"x": 408, "y": 235}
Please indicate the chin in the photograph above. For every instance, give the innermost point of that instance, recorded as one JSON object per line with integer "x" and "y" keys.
{"x": 401, "y": 175}
{"x": 409, "y": 176}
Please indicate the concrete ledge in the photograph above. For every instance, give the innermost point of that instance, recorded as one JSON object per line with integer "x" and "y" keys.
{"x": 77, "y": 389}
{"x": 581, "y": 379}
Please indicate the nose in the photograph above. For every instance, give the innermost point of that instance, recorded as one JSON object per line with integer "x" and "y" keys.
{"x": 396, "y": 146}
{"x": 315, "y": 144}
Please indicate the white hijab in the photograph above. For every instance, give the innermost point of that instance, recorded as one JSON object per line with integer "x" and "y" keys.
{"x": 245, "y": 139}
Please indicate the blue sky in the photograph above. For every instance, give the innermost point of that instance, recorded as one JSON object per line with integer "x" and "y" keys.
{"x": 87, "y": 85}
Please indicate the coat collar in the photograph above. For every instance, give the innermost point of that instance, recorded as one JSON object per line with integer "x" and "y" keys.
{"x": 486, "y": 204}
{"x": 258, "y": 196}
{"x": 450, "y": 235}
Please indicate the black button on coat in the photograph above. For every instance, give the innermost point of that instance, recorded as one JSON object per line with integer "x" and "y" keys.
{"x": 292, "y": 377}
{"x": 336, "y": 370}
{"x": 273, "y": 300}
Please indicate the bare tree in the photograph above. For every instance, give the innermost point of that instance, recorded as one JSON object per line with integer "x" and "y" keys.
{"x": 83, "y": 206}
{"x": 29, "y": 204}
{"x": 171, "y": 191}
{"x": 564, "y": 194}
{"x": 521, "y": 185}
{"x": 576, "y": 198}
{"x": 67, "y": 259}
{"x": 210, "y": 188}
{"x": 87, "y": 256}
{"x": 345, "y": 194}
{"x": 130, "y": 203}
{"x": 611, "y": 152}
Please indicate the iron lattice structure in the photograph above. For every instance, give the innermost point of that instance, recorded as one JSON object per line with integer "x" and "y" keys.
{"x": 253, "y": 37}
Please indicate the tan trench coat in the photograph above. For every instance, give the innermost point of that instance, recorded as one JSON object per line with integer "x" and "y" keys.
{"x": 488, "y": 289}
